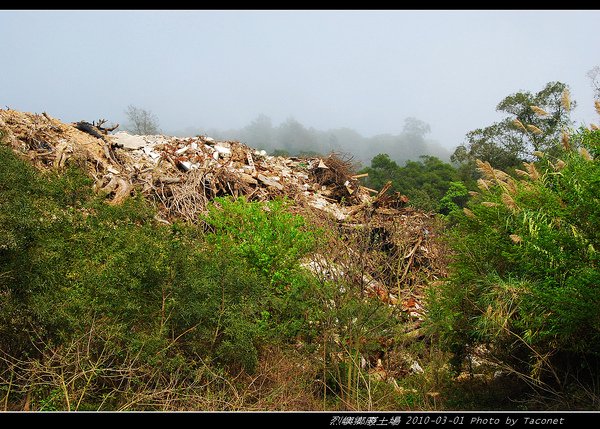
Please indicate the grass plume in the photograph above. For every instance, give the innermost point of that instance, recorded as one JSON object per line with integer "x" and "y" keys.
{"x": 539, "y": 111}
{"x": 483, "y": 184}
{"x": 565, "y": 140}
{"x": 565, "y": 100}
{"x": 515, "y": 238}
{"x": 586, "y": 155}
{"x": 486, "y": 169}
{"x": 534, "y": 129}
{"x": 469, "y": 213}
{"x": 533, "y": 173}
{"x": 509, "y": 202}
{"x": 519, "y": 125}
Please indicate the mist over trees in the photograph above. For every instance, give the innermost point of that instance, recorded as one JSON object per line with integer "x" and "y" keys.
{"x": 293, "y": 138}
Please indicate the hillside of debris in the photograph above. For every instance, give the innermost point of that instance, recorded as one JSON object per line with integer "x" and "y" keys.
{"x": 181, "y": 175}
{"x": 376, "y": 256}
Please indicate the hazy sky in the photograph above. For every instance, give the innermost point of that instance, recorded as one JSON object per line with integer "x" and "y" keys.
{"x": 366, "y": 70}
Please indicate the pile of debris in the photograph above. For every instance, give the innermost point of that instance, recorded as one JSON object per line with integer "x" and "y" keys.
{"x": 181, "y": 175}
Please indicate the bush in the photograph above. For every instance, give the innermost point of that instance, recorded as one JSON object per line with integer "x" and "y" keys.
{"x": 72, "y": 264}
{"x": 525, "y": 276}
{"x": 456, "y": 197}
{"x": 271, "y": 241}
{"x": 267, "y": 235}
{"x": 34, "y": 220}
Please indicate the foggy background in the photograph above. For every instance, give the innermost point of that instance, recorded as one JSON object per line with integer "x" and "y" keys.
{"x": 401, "y": 82}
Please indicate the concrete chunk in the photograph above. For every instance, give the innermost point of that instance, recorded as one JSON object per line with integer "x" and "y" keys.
{"x": 128, "y": 141}
{"x": 270, "y": 182}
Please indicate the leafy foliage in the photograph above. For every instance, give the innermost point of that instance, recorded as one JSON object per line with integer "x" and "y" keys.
{"x": 270, "y": 241}
{"x": 69, "y": 260}
{"x": 526, "y": 271}
{"x": 425, "y": 182}
{"x": 534, "y": 123}
{"x": 267, "y": 235}
{"x": 456, "y": 197}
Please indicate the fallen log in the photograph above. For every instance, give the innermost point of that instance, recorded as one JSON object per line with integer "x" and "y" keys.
{"x": 91, "y": 129}
{"x": 95, "y": 129}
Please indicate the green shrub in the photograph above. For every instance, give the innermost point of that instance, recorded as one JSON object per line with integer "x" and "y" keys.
{"x": 271, "y": 241}
{"x": 271, "y": 238}
{"x": 32, "y": 222}
{"x": 216, "y": 302}
{"x": 72, "y": 264}
{"x": 455, "y": 198}
{"x": 525, "y": 276}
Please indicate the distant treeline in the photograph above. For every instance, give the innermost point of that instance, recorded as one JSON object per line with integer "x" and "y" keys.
{"x": 292, "y": 138}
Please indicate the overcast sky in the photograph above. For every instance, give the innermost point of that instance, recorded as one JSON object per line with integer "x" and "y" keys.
{"x": 366, "y": 70}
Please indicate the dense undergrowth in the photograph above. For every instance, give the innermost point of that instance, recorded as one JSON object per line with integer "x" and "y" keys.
{"x": 105, "y": 308}
{"x": 525, "y": 277}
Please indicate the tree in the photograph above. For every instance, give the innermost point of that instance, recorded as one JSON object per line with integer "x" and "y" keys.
{"x": 535, "y": 122}
{"x": 425, "y": 181}
{"x": 382, "y": 170}
{"x": 416, "y": 127}
{"x": 293, "y": 137}
{"x": 594, "y": 76}
{"x": 142, "y": 121}
{"x": 259, "y": 133}
{"x": 499, "y": 144}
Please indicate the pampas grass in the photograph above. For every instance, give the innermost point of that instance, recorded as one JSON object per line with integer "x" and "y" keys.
{"x": 533, "y": 173}
{"x": 486, "y": 169}
{"x": 515, "y": 238}
{"x": 534, "y": 129}
{"x": 565, "y": 140}
{"x": 565, "y": 100}
{"x": 469, "y": 213}
{"x": 483, "y": 184}
{"x": 519, "y": 124}
{"x": 539, "y": 111}
{"x": 509, "y": 202}
{"x": 586, "y": 155}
